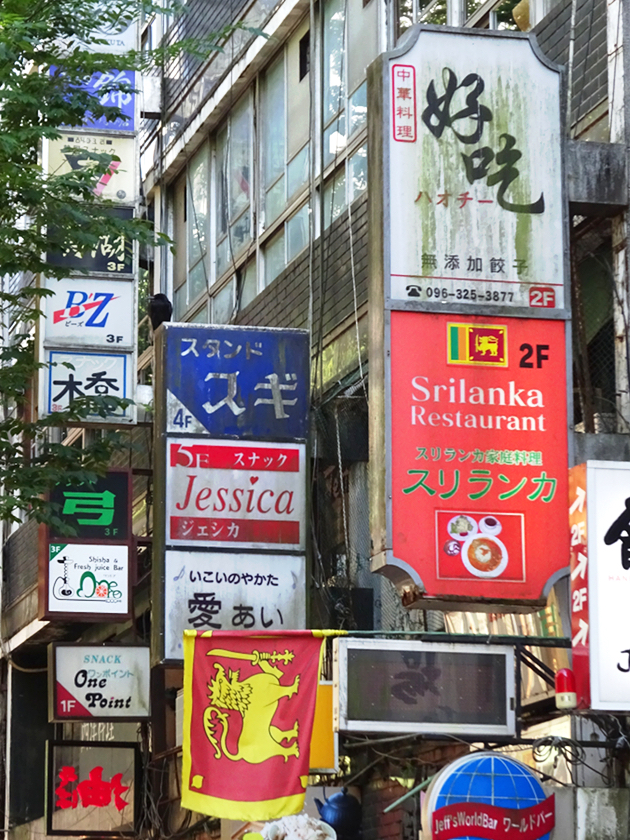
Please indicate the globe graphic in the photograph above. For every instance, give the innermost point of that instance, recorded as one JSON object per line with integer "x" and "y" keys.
{"x": 492, "y": 779}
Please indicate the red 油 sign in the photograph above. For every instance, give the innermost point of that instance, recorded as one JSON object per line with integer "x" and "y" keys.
{"x": 250, "y": 495}
{"x": 479, "y": 454}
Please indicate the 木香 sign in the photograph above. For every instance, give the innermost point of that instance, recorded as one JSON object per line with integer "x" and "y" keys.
{"x": 70, "y": 375}
{"x": 472, "y": 169}
{"x": 69, "y": 153}
{"x": 240, "y": 382}
{"x": 98, "y": 682}
{"x": 87, "y": 579}
{"x": 98, "y": 511}
{"x": 231, "y": 493}
{"x": 113, "y": 255}
{"x": 90, "y": 312}
{"x": 476, "y": 456}
{"x": 219, "y": 591}
{"x": 600, "y": 583}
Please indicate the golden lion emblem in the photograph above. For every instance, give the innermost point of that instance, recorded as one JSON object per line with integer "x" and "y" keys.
{"x": 256, "y": 700}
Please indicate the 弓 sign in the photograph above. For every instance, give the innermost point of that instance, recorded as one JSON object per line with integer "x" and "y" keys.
{"x": 87, "y": 579}
{"x": 90, "y": 312}
{"x": 472, "y": 166}
{"x": 476, "y": 441}
{"x": 98, "y": 511}
{"x": 98, "y": 681}
{"x": 220, "y": 591}
{"x": 228, "y": 493}
{"x": 600, "y": 583}
{"x": 236, "y": 381}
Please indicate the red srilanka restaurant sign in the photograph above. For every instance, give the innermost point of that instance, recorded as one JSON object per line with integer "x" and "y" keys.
{"x": 479, "y": 454}
{"x": 487, "y": 822}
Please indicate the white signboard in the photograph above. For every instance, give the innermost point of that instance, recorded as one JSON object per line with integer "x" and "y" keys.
{"x": 70, "y": 375}
{"x": 88, "y": 579}
{"x": 235, "y": 493}
{"x": 97, "y": 681}
{"x": 220, "y": 591}
{"x": 90, "y": 312}
{"x": 608, "y": 529}
{"x": 68, "y": 154}
{"x": 474, "y": 203}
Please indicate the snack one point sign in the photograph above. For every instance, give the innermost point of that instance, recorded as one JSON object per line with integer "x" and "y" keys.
{"x": 477, "y": 466}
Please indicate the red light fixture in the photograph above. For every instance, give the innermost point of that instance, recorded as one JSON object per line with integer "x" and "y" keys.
{"x": 566, "y": 694}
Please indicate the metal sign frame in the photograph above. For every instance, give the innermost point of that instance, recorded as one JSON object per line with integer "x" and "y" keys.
{"x": 344, "y": 723}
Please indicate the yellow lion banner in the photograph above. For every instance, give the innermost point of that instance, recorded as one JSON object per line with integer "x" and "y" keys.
{"x": 249, "y": 702}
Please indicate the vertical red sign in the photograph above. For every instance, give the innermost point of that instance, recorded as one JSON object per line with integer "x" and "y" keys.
{"x": 479, "y": 454}
{"x": 579, "y": 584}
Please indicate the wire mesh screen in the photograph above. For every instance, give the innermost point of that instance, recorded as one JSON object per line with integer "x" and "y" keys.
{"x": 348, "y": 595}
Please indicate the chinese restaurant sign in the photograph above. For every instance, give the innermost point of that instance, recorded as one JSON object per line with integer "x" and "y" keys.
{"x": 90, "y": 312}
{"x": 600, "y": 583}
{"x": 477, "y": 436}
{"x": 98, "y": 511}
{"x": 220, "y": 591}
{"x": 98, "y": 682}
{"x": 487, "y": 796}
{"x": 92, "y": 789}
{"x": 228, "y": 493}
{"x": 474, "y": 209}
{"x": 236, "y": 381}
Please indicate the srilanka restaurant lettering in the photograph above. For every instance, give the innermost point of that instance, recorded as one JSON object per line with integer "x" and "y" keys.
{"x": 479, "y": 453}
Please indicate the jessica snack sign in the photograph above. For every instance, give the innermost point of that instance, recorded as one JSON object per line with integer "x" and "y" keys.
{"x": 478, "y": 443}
{"x": 229, "y": 493}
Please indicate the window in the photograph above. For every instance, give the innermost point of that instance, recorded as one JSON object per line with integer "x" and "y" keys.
{"x": 346, "y": 184}
{"x": 234, "y": 166}
{"x": 286, "y": 244}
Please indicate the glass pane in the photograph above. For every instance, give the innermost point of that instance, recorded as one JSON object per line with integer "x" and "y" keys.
{"x": 240, "y": 157}
{"x": 273, "y": 123}
{"x": 200, "y": 317}
{"x": 334, "y": 69}
{"x": 223, "y": 304}
{"x": 197, "y": 281}
{"x": 223, "y": 256}
{"x": 298, "y": 171}
{"x": 358, "y": 108}
{"x": 249, "y": 286}
{"x": 274, "y": 202}
{"x": 334, "y": 197}
{"x": 297, "y": 232}
{"x": 437, "y": 14}
{"x": 222, "y": 203}
{"x": 404, "y": 16}
{"x": 274, "y": 258}
{"x": 179, "y": 303}
{"x": 334, "y": 139}
{"x": 358, "y": 172}
{"x": 197, "y": 216}
{"x": 239, "y": 234}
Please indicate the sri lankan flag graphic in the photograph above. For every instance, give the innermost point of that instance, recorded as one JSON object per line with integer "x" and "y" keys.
{"x": 477, "y": 344}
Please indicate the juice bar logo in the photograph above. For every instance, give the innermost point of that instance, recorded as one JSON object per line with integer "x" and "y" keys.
{"x": 481, "y": 344}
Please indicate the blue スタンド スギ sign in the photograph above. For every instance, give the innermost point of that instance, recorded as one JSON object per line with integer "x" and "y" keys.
{"x": 240, "y": 382}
